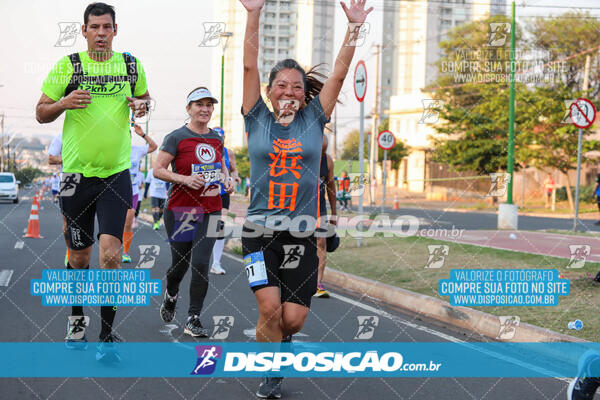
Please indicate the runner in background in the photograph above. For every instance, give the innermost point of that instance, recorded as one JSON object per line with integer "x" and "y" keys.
{"x": 229, "y": 158}
{"x": 157, "y": 190}
{"x": 284, "y": 147}
{"x": 597, "y": 194}
{"x": 344, "y": 187}
{"x": 195, "y": 154}
{"x": 326, "y": 185}
{"x": 548, "y": 188}
{"x": 55, "y": 158}
{"x": 55, "y": 187}
{"x": 137, "y": 154}
{"x": 140, "y": 185}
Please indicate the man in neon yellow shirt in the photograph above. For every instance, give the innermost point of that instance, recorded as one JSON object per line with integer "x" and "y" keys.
{"x": 95, "y": 88}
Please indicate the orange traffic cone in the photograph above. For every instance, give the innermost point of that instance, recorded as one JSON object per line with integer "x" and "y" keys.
{"x": 33, "y": 227}
{"x": 396, "y": 202}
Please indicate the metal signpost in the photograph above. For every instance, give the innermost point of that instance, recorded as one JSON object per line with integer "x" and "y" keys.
{"x": 360, "y": 90}
{"x": 386, "y": 141}
{"x": 583, "y": 114}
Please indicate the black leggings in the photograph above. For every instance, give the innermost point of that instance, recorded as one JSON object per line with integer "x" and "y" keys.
{"x": 198, "y": 249}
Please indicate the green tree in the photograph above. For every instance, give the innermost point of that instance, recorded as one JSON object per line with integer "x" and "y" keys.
{"x": 472, "y": 134}
{"x": 547, "y": 142}
{"x": 242, "y": 161}
{"x": 27, "y": 174}
{"x": 350, "y": 146}
{"x": 562, "y": 37}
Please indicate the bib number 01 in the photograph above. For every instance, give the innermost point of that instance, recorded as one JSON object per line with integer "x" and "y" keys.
{"x": 256, "y": 271}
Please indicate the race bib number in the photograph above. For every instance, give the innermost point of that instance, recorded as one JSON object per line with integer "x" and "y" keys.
{"x": 211, "y": 173}
{"x": 256, "y": 271}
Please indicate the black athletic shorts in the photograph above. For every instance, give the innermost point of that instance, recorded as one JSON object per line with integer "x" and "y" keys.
{"x": 157, "y": 202}
{"x": 291, "y": 263}
{"x": 83, "y": 199}
{"x": 225, "y": 200}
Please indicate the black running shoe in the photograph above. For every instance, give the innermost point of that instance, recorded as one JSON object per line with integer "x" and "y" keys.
{"x": 597, "y": 278}
{"x": 270, "y": 388}
{"x": 106, "y": 351}
{"x": 167, "y": 308}
{"x": 584, "y": 386}
{"x": 194, "y": 328}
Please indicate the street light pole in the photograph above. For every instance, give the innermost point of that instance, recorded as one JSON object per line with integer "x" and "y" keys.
{"x": 225, "y": 35}
{"x": 2, "y": 142}
{"x": 511, "y": 111}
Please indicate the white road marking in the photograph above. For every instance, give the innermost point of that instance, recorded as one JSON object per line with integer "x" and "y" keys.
{"x": 168, "y": 330}
{"x": 141, "y": 221}
{"x": 5, "y": 276}
{"x": 19, "y": 244}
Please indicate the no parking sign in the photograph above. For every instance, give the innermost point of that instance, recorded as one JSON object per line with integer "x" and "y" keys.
{"x": 583, "y": 113}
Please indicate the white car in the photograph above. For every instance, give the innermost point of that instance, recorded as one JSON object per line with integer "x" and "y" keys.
{"x": 9, "y": 187}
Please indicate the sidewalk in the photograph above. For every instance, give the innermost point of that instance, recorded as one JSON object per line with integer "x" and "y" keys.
{"x": 542, "y": 243}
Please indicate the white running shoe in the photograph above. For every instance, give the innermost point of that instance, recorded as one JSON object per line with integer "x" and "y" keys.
{"x": 217, "y": 269}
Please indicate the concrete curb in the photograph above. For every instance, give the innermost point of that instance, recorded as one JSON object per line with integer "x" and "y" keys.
{"x": 461, "y": 317}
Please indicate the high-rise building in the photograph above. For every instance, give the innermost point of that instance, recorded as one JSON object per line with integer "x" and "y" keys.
{"x": 302, "y": 30}
{"x": 410, "y": 40}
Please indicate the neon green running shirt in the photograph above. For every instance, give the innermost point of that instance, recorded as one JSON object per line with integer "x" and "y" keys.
{"x": 96, "y": 139}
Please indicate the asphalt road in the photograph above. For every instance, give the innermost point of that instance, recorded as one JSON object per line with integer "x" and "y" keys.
{"x": 484, "y": 220}
{"x": 24, "y": 319}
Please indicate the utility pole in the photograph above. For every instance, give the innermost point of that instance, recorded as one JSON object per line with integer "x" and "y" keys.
{"x": 586, "y": 80}
{"x": 334, "y": 150}
{"x": 373, "y": 145}
{"x": 511, "y": 112}
{"x": 225, "y": 35}
{"x": 508, "y": 213}
{"x": 2, "y": 142}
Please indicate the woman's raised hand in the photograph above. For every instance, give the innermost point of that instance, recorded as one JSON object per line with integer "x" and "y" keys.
{"x": 356, "y": 13}
{"x": 252, "y": 5}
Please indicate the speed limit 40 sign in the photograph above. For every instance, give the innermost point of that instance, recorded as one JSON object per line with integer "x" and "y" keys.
{"x": 386, "y": 140}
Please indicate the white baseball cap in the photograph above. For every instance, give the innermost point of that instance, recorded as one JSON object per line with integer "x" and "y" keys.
{"x": 200, "y": 94}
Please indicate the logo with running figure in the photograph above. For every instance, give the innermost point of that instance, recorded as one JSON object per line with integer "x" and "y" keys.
{"x": 207, "y": 359}
{"x": 366, "y": 326}
{"x": 205, "y": 153}
{"x": 358, "y": 34}
{"x": 499, "y": 184}
{"x": 212, "y": 34}
{"x": 77, "y": 325}
{"x": 148, "y": 255}
{"x": 68, "y": 34}
{"x": 579, "y": 253}
{"x": 437, "y": 255}
{"x": 68, "y": 184}
{"x": 223, "y": 324}
{"x": 185, "y": 225}
{"x": 508, "y": 327}
{"x": 291, "y": 256}
{"x": 431, "y": 111}
{"x": 499, "y": 33}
